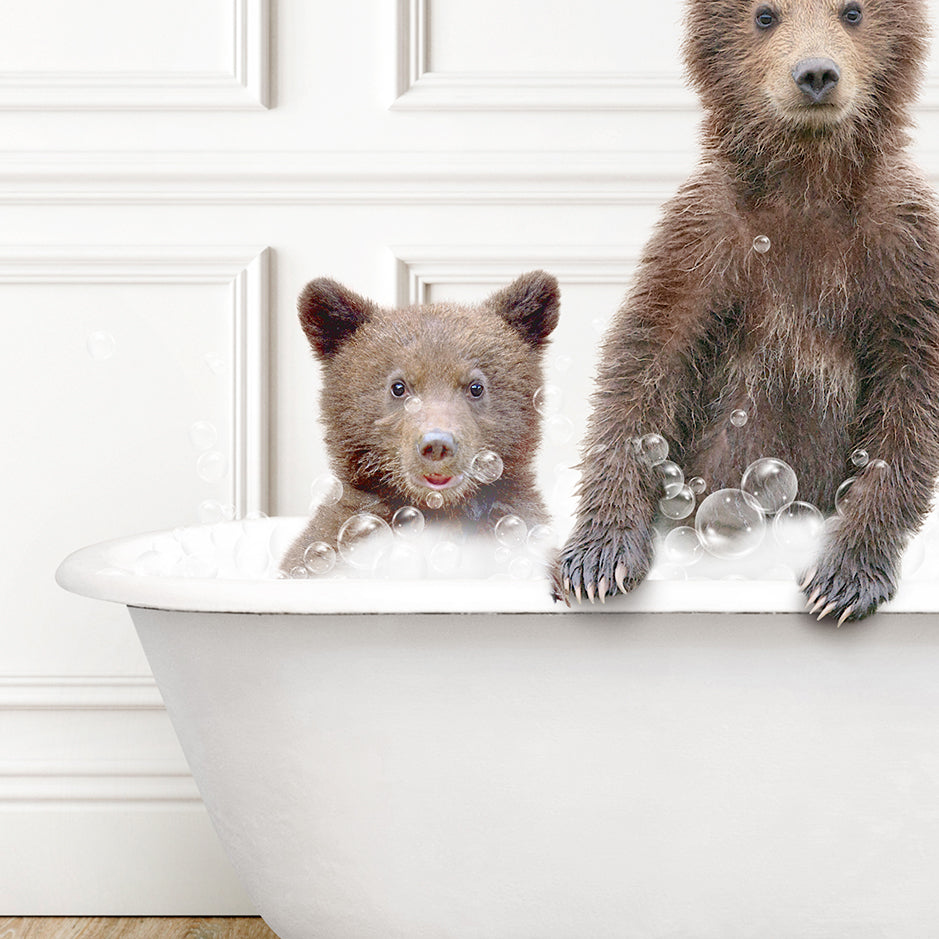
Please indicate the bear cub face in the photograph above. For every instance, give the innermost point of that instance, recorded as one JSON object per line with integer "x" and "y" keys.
{"x": 411, "y": 396}
{"x": 430, "y": 405}
{"x": 807, "y": 65}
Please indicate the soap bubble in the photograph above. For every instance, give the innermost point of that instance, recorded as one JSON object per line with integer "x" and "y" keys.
{"x": 325, "y": 490}
{"x": 521, "y": 568}
{"x": 878, "y": 466}
{"x": 203, "y": 435}
{"x": 797, "y": 526}
{"x": 212, "y": 511}
{"x": 212, "y": 466}
{"x": 672, "y": 477}
{"x": 445, "y": 557}
{"x": 739, "y": 417}
{"x": 319, "y": 558}
{"x": 215, "y": 363}
{"x": 843, "y": 495}
{"x": 412, "y": 404}
{"x": 771, "y": 483}
{"x": 761, "y": 244}
{"x": 860, "y": 458}
{"x": 364, "y": 540}
{"x": 682, "y": 546}
{"x": 561, "y": 363}
{"x": 697, "y": 484}
{"x": 559, "y": 428}
{"x": 299, "y": 573}
{"x": 486, "y": 466}
{"x": 434, "y": 500}
{"x": 729, "y": 523}
{"x": 542, "y": 538}
{"x": 680, "y": 505}
{"x": 547, "y": 400}
{"x": 101, "y": 345}
{"x": 511, "y": 531}
{"x": 408, "y": 521}
{"x": 652, "y": 449}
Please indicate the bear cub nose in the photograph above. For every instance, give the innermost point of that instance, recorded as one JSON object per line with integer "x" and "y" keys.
{"x": 436, "y": 445}
{"x": 816, "y": 78}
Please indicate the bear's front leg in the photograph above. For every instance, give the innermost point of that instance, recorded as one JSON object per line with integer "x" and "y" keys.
{"x": 610, "y": 549}
{"x": 898, "y": 426}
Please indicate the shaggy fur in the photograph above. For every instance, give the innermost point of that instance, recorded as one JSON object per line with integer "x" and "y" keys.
{"x": 474, "y": 369}
{"x": 830, "y": 340}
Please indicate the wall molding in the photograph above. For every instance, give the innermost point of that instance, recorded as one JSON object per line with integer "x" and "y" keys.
{"x": 79, "y": 693}
{"x": 246, "y": 273}
{"x": 421, "y": 266}
{"x": 106, "y": 783}
{"x": 421, "y": 88}
{"x": 342, "y": 178}
{"x": 244, "y": 86}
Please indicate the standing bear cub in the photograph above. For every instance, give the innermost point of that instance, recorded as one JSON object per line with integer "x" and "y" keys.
{"x": 794, "y": 276}
{"x": 430, "y": 406}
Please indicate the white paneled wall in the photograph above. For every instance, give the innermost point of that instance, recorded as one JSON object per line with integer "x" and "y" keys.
{"x": 171, "y": 176}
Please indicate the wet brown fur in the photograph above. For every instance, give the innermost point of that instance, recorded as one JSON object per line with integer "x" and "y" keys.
{"x": 830, "y": 341}
{"x": 438, "y": 350}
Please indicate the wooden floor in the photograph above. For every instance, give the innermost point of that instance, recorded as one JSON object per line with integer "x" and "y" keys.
{"x": 129, "y": 927}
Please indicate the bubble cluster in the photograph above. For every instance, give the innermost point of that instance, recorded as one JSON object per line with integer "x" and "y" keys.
{"x": 486, "y": 466}
{"x": 101, "y": 345}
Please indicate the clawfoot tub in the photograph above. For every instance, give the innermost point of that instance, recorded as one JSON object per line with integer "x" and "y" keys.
{"x": 436, "y": 758}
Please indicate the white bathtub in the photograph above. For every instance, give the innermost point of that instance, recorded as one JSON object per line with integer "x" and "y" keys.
{"x": 466, "y": 759}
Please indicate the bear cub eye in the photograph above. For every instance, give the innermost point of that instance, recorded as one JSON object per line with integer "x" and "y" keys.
{"x": 399, "y": 389}
{"x": 765, "y": 18}
{"x": 476, "y": 389}
{"x": 851, "y": 14}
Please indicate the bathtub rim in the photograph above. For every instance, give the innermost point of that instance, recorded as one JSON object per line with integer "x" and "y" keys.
{"x": 92, "y": 572}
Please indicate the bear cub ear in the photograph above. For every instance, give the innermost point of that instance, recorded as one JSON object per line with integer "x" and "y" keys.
{"x": 330, "y": 314}
{"x": 530, "y": 304}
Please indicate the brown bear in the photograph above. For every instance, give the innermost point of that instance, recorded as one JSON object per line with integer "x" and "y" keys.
{"x": 795, "y": 277}
{"x": 429, "y": 406}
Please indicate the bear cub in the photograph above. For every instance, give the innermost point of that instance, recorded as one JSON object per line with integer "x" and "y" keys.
{"x": 429, "y": 406}
{"x": 795, "y": 277}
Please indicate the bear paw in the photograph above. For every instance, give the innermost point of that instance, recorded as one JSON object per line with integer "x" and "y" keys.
{"x": 601, "y": 563}
{"x": 848, "y": 586}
